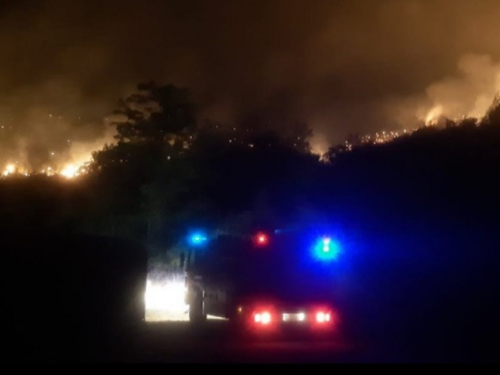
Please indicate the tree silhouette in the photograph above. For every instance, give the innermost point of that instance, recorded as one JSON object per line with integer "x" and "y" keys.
{"x": 493, "y": 114}
{"x": 156, "y": 114}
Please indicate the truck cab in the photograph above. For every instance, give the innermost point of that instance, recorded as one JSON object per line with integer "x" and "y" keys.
{"x": 210, "y": 277}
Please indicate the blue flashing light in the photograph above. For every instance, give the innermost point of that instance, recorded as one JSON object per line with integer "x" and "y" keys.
{"x": 327, "y": 249}
{"x": 197, "y": 239}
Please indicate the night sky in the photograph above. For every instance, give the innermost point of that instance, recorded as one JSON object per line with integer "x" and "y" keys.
{"x": 342, "y": 66}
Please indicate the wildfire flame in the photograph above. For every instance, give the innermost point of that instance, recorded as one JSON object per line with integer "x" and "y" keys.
{"x": 433, "y": 115}
{"x": 9, "y": 169}
{"x": 70, "y": 171}
{"x": 69, "y": 163}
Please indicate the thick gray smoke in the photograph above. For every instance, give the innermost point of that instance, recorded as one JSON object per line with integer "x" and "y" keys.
{"x": 345, "y": 67}
{"x": 468, "y": 92}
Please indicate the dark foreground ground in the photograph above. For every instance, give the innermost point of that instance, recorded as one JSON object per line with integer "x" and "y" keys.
{"x": 216, "y": 342}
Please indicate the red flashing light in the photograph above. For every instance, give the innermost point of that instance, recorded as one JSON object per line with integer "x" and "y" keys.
{"x": 262, "y": 239}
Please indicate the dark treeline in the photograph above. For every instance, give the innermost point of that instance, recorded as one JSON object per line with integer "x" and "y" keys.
{"x": 419, "y": 214}
{"x": 169, "y": 173}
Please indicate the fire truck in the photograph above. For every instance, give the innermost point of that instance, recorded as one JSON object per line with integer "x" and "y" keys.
{"x": 267, "y": 280}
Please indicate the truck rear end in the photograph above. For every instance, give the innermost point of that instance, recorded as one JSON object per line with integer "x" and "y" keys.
{"x": 270, "y": 282}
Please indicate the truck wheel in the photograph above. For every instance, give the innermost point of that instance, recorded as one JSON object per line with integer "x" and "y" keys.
{"x": 196, "y": 310}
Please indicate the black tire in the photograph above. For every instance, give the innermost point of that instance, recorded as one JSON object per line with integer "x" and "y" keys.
{"x": 196, "y": 309}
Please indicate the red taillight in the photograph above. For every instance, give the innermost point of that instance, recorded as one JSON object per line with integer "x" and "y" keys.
{"x": 263, "y": 317}
{"x": 323, "y": 317}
